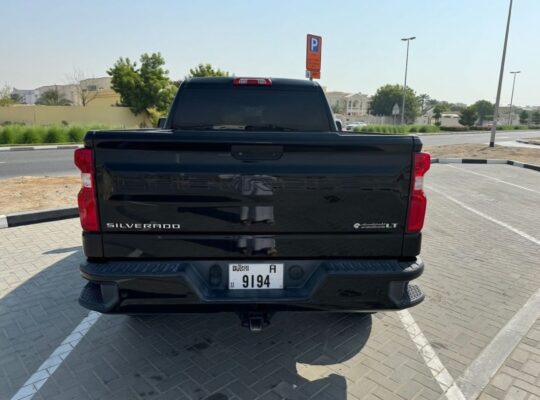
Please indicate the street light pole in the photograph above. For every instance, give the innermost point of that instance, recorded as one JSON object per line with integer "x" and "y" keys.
{"x": 405, "y": 83}
{"x": 501, "y": 72}
{"x": 512, "y": 96}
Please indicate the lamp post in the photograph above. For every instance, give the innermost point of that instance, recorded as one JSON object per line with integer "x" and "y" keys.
{"x": 501, "y": 72}
{"x": 405, "y": 83}
{"x": 512, "y": 96}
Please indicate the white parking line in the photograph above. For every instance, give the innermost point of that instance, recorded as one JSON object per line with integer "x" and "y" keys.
{"x": 480, "y": 372}
{"x": 492, "y": 178}
{"x": 45, "y": 371}
{"x": 450, "y": 390}
{"x": 496, "y": 221}
{"x": 483, "y": 368}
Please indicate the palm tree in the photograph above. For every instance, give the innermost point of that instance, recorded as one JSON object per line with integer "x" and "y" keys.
{"x": 53, "y": 97}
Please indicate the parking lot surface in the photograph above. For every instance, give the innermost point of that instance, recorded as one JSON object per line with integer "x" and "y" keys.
{"x": 482, "y": 271}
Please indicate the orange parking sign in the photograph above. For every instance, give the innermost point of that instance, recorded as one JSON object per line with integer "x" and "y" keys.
{"x": 315, "y": 74}
{"x": 313, "y": 55}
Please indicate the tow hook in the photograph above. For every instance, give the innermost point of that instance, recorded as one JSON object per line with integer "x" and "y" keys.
{"x": 255, "y": 321}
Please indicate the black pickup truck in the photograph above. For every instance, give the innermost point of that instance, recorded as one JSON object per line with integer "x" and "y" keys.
{"x": 250, "y": 199}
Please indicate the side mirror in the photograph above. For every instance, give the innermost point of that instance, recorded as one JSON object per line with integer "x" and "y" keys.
{"x": 339, "y": 126}
{"x": 161, "y": 122}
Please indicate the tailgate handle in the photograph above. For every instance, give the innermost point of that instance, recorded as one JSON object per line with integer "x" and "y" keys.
{"x": 256, "y": 152}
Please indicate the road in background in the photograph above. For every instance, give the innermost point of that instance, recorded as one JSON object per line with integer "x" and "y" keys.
{"x": 483, "y": 137}
{"x": 60, "y": 162}
{"x": 36, "y": 163}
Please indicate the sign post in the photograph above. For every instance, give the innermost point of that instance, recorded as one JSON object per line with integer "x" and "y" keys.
{"x": 395, "y": 112}
{"x": 313, "y": 56}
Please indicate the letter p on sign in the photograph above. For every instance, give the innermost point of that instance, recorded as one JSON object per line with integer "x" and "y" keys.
{"x": 314, "y": 44}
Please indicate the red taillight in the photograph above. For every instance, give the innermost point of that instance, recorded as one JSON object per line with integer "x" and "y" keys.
{"x": 418, "y": 201}
{"x": 84, "y": 160}
{"x": 252, "y": 81}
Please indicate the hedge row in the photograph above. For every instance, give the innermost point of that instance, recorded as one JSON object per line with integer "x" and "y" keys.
{"x": 21, "y": 134}
{"x": 486, "y": 128}
{"x": 398, "y": 129}
{"x": 404, "y": 129}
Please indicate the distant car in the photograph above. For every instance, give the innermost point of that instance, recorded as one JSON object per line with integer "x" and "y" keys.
{"x": 351, "y": 127}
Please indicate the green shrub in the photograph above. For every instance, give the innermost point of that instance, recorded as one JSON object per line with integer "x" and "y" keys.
{"x": 397, "y": 129}
{"x": 54, "y": 134}
{"x": 30, "y": 135}
{"x": 454, "y": 128}
{"x": 7, "y": 135}
{"x": 76, "y": 134}
{"x": 38, "y": 134}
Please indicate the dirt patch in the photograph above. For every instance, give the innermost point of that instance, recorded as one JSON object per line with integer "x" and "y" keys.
{"x": 25, "y": 193}
{"x": 526, "y": 155}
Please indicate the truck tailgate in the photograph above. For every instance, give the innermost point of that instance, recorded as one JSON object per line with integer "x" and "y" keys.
{"x": 236, "y": 194}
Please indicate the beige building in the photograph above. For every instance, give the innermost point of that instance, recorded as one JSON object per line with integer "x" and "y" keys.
{"x": 95, "y": 91}
{"x": 349, "y": 104}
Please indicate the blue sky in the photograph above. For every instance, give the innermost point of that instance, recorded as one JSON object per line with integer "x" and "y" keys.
{"x": 456, "y": 55}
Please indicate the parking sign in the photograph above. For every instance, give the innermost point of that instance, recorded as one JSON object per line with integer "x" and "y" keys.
{"x": 313, "y": 55}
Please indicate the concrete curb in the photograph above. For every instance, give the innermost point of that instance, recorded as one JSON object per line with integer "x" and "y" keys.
{"x": 35, "y": 217}
{"x": 46, "y": 147}
{"x": 535, "y": 142}
{"x": 534, "y": 167}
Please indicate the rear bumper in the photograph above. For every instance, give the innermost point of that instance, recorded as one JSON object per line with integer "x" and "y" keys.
{"x": 201, "y": 286}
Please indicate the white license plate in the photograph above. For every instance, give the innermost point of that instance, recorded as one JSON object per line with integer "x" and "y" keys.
{"x": 255, "y": 276}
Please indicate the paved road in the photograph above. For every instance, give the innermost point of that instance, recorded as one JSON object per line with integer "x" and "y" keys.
{"x": 36, "y": 163}
{"x": 479, "y": 275}
{"x": 440, "y": 139}
{"x": 60, "y": 162}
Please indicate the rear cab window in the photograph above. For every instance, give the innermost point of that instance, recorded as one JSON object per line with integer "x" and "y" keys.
{"x": 224, "y": 106}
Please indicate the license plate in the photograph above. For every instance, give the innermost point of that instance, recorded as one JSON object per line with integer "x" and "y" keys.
{"x": 255, "y": 276}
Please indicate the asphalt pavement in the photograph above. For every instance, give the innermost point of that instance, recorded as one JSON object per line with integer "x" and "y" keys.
{"x": 60, "y": 162}
{"x": 483, "y": 137}
{"x": 37, "y": 163}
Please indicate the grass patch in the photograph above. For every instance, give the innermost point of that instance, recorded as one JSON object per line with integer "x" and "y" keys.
{"x": 46, "y": 134}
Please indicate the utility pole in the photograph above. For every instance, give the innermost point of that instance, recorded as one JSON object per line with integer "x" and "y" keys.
{"x": 512, "y": 96}
{"x": 501, "y": 72}
{"x": 405, "y": 83}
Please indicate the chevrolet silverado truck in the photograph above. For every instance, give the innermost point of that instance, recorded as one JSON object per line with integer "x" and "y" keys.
{"x": 250, "y": 199}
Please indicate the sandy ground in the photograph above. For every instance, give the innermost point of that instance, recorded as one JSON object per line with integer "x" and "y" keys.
{"x": 33, "y": 193}
{"x": 526, "y": 155}
{"x": 25, "y": 193}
